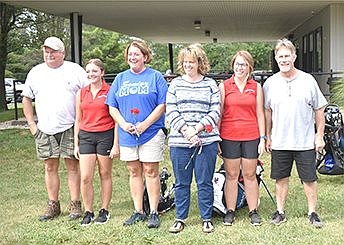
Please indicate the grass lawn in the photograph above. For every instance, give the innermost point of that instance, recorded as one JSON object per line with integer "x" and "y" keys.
{"x": 10, "y": 114}
{"x": 23, "y": 198}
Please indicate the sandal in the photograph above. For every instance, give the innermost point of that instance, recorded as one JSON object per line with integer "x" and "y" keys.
{"x": 177, "y": 226}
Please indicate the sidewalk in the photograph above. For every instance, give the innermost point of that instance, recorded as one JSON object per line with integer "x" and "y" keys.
{"x": 20, "y": 123}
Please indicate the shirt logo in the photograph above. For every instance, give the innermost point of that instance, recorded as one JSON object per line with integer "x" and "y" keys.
{"x": 129, "y": 88}
{"x": 249, "y": 91}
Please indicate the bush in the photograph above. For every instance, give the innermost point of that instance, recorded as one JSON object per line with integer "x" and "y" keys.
{"x": 336, "y": 92}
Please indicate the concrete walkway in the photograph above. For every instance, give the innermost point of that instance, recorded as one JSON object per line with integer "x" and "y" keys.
{"x": 20, "y": 123}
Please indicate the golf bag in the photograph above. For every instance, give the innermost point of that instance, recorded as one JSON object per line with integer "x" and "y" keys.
{"x": 219, "y": 179}
{"x": 166, "y": 201}
{"x": 331, "y": 161}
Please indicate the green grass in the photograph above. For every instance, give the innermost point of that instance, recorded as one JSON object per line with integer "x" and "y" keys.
{"x": 23, "y": 198}
{"x": 10, "y": 114}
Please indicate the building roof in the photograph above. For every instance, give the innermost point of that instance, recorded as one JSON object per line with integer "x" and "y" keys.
{"x": 168, "y": 21}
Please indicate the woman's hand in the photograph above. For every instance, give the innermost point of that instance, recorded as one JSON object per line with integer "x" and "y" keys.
{"x": 140, "y": 127}
{"x": 114, "y": 151}
{"x": 189, "y": 133}
{"x": 195, "y": 141}
{"x": 261, "y": 147}
{"x": 76, "y": 152}
{"x": 128, "y": 127}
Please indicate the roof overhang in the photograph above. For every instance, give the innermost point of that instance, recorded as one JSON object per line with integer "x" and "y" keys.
{"x": 168, "y": 21}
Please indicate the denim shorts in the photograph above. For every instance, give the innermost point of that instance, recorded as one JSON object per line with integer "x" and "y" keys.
{"x": 282, "y": 163}
{"x": 55, "y": 146}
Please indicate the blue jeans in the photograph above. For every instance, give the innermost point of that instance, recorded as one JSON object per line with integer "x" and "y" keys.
{"x": 204, "y": 166}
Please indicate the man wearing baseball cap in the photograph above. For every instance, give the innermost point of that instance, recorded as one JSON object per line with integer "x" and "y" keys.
{"x": 54, "y": 43}
{"x": 54, "y": 84}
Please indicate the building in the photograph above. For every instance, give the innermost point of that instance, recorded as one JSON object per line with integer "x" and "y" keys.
{"x": 315, "y": 26}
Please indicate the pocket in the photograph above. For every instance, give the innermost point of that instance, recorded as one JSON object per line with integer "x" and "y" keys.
{"x": 43, "y": 145}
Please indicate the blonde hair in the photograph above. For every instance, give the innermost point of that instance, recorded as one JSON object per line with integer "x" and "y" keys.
{"x": 142, "y": 46}
{"x": 247, "y": 57}
{"x": 285, "y": 43}
{"x": 197, "y": 53}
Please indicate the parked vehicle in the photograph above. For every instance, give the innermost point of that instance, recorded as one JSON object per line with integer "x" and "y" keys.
{"x": 9, "y": 86}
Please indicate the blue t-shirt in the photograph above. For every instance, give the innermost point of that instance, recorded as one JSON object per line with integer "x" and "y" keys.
{"x": 144, "y": 91}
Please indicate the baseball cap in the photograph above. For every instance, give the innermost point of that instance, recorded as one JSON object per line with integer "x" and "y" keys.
{"x": 54, "y": 43}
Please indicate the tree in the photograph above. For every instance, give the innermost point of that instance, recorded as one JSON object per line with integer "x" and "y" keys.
{"x": 7, "y": 20}
{"x": 160, "y": 54}
{"x": 220, "y": 55}
{"x": 105, "y": 45}
{"x": 31, "y": 29}
{"x": 26, "y": 29}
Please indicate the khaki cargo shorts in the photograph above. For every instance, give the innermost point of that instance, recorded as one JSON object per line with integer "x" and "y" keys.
{"x": 55, "y": 146}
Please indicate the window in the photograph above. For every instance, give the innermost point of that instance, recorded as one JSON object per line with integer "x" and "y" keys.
{"x": 312, "y": 51}
{"x": 318, "y": 50}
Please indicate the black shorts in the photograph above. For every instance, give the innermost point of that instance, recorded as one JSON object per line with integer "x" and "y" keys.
{"x": 237, "y": 149}
{"x": 96, "y": 142}
{"x": 282, "y": 163}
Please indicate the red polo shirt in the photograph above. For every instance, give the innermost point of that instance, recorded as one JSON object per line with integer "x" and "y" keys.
{"x": 95, "y": 113}
{"x": 239, "y": 118}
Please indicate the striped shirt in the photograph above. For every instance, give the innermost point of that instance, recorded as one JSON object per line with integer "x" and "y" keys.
{"x": 191, "y": 103}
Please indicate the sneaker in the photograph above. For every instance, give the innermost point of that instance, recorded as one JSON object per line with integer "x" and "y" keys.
{"x": 208, "y": 226}
{"x": 88, "y": 218}
{"x": 53, "y": 210}
{"x": 229, "y": 217}
{"x": 153, "y": 220}
{"x": 315, "y": 220}
{"x": 103, "y": 217}
{"x": 74, "y": 209}
{"x": 135, "y": 217}
{"x": 278, "y": 218}
{"x": 255, "y": 218}
{"x": 177, "y": 226}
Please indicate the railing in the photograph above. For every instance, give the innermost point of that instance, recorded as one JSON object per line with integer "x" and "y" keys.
{"x": 258, "y": 76}
{"x": 219, "y": 77}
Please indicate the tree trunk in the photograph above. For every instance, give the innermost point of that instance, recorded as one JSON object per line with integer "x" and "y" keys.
{"x": 7, "y": 18}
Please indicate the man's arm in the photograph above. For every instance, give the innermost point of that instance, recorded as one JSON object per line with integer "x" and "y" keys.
{"x": 28, "y": 113}
{"x": 320, "y": 127}
{"x": 268, "y": 127}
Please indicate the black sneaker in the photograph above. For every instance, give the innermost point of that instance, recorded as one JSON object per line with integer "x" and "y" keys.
{"x": 103, "y": 217}
{"x": 88, "y": 218}
{"x": 135, "y": 217}
{"x": 315, "y": 220}
{"x": 255, "y": 219}
{"x": 278, "y": 218}
{"x": 153, "y": 220}
{"x": 229, "y": 217}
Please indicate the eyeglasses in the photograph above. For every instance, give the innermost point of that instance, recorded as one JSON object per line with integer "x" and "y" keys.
{"x": 244, "y": 65}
